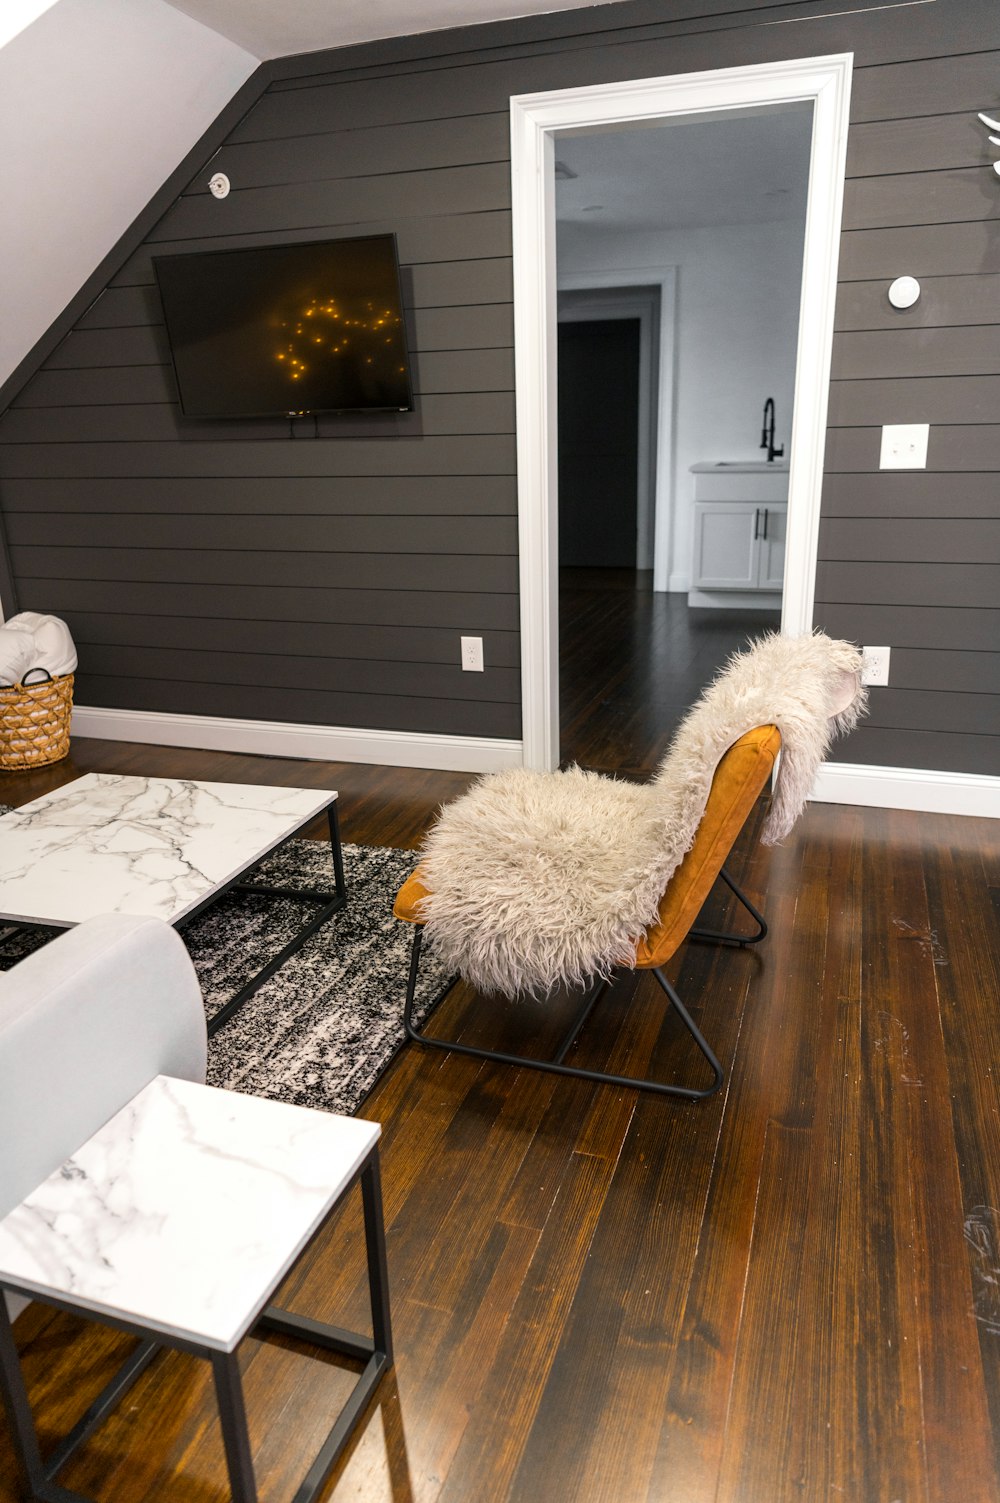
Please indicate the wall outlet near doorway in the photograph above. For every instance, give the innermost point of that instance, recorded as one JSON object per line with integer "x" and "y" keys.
{"x": 875, "y": 665}
{"x": 472, "y": 655}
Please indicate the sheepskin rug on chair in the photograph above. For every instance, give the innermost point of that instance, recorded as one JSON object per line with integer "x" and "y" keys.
{"x": 538, "y": 880}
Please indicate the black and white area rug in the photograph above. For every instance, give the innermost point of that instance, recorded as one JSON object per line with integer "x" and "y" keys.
{"x": 323, "y": 1029}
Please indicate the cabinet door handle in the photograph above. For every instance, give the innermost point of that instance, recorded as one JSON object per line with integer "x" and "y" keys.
{"x": 756, "y": 523}
{"x": 764, "y": 534}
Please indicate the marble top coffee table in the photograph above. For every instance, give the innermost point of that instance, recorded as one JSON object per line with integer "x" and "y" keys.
{"x": 177, "y": 1221}
{"x": 167, "y": 847}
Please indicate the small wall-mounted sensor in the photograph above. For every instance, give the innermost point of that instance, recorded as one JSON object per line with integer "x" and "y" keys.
{"x": 219, "y": 185}
{"x": 904, "y": 291}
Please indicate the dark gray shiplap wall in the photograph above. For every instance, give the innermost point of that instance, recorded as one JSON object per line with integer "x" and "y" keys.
{"x": 240, "y": 569}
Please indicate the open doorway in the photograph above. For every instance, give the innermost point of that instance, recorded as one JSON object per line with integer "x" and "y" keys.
{"x": 538, "y": 122}
{"x": 719, "y": 202}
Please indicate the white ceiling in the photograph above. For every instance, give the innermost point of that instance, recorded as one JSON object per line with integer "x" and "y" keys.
{"x": 751, "y": 168}
{"x": 277, "y": 28}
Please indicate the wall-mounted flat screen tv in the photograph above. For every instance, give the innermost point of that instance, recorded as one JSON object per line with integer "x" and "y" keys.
{"x": 289, "y": 329}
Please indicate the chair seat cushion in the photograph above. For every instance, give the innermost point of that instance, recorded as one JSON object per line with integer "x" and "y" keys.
{"x": 739, "y": 779}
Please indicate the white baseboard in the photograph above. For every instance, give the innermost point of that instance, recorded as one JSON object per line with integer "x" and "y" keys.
{"x": 836, "y": 783}
{"x": 906, "y": 788}
{"x": 322, "y": 743}
{"x": 678, "y": 584}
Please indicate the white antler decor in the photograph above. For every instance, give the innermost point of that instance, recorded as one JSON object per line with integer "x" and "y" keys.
{"x": 993, "y": 125}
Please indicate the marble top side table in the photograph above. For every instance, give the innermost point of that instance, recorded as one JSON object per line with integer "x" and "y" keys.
{"x": 176, "y": 1222}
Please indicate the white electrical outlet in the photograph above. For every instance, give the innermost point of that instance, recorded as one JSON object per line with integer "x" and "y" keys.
{"x": 904, "y": 446}
{"x": 875, "y": 665}
{"x": 472, "y": 654}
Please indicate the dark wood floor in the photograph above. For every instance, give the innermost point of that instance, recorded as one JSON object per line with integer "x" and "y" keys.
{"x": 633, "y": 662}
{"x": 789, "y": 1292}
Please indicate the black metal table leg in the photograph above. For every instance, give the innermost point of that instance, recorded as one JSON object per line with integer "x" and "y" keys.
{"x": 378, "y": 1269}
{"x": 235, "y": 1436}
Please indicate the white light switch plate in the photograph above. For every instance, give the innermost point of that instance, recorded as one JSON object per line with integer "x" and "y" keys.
{"x": 904, "y": 446}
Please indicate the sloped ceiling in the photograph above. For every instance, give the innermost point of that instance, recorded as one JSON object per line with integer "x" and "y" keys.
{"x": 99, "y": 102}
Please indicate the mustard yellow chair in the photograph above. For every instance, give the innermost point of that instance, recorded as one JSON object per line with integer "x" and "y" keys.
{"x": 740, "y": 778}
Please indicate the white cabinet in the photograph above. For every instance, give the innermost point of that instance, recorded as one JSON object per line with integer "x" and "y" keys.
{"x": 740, "y": 523}
{"x": 738, "y": 545}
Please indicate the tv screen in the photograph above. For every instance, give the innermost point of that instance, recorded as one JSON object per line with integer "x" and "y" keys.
{"x": 312, "y": 327}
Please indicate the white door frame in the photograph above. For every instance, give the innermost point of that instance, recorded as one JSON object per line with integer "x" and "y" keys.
{"x": 535, "y": 119}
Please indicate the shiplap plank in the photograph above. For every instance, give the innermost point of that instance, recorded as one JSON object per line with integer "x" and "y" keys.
{"x": 894, "y": 583}
{"x": 965, "y": 351}
{"x": 932, "y": 628}
{"x": 463, "y": 371}
{"x": 482, "y": 328}
{"x": 136, "y": 345}
{"x": 443, "y": 284}
{"x": 948, "y": 196}
{"x": 943, "y": 301}
{"x": 917, "y": 540}
{"x": 442, "y": 190}
{"x": 122, "y": 307}
{"x": 932, "y": 86}
{"x": 922, "y": 145}
{"x": 959, "y": 447}
{"x": 470, "y": 456}
{"x": 962, "y": 671}
{"x": 466, "y": 610}
{"x": 930, "y": 399}
{"x": 340, "y": 535}
{"x": 934, "y": 710}
{"x": 878, "y": 746}
{"x": 347, "y": 153}
{"x": 932, "y": 250}
{"x": 315, "y": 706}
{"x": 301, "y": 496}
{"x": 359, "y": 571}
{"x": 910, "y": 493}
{"x": 302, "y": 639}
{"x": 340, "y": 675}
{"x": 99, "y": 385}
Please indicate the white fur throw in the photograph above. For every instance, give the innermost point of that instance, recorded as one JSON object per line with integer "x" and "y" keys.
{"x": 539, "y": 880}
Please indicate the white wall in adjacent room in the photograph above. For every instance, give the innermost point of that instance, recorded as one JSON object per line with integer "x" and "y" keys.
{"x": 735, "y": 339}
{"x": 99, "y": 102}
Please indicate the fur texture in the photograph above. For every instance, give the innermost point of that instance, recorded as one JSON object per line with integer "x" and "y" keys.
{"x": 545, "y": 879}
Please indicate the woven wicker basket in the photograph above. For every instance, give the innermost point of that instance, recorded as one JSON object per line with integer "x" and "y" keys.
{"x": 34, "y": 723}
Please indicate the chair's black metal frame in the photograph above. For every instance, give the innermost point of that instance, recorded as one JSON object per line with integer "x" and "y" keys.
{"x": 374, "y": 1352}
{"x": 555, "y": 1064}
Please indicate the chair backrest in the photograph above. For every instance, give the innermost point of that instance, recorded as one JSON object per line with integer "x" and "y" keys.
{"x": 739, "y": 780}
{"x": 85, "y": 1023}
